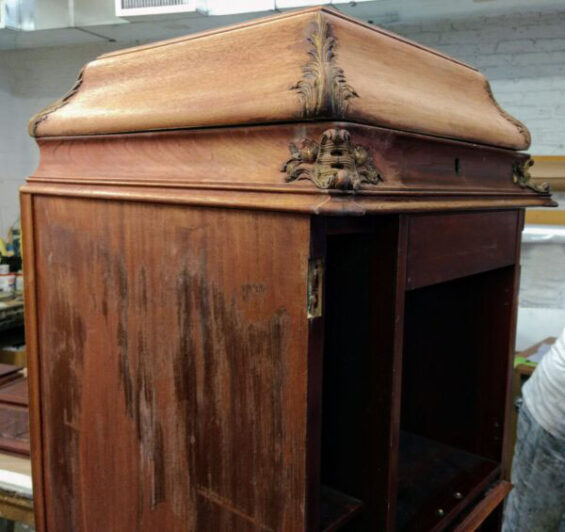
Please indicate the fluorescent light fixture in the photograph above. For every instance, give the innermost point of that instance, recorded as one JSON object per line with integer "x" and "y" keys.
{"x": 231, "y": 7}
{"x": 283, "y": 4}
{"x": 132, "y": 8}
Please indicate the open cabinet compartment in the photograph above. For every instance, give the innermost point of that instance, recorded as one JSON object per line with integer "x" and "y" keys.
{"x": 414, "y": 384}
{"x": 453, "y": 397}
{"x": 351, "y": 449}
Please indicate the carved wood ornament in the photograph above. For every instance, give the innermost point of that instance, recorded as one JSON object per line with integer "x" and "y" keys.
{"x": 323, "y": 88}
{"x": 519, "y": 126}
{"x": 333, "y": 163}
{"x": 44, "y": 114}
{"x": 521, "y": 176}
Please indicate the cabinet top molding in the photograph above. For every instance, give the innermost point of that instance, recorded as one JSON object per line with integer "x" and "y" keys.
{"x": 312, "y": 64}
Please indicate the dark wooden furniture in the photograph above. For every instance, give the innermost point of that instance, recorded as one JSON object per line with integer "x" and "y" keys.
{"x": 14, "y": 412}
{"x": 227, "y": 333}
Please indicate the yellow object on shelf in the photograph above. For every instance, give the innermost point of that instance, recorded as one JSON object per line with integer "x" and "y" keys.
{"x": 548, "y": 169}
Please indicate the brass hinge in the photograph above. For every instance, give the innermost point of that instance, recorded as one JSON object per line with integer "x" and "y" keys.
{"x": 315, "y": 287}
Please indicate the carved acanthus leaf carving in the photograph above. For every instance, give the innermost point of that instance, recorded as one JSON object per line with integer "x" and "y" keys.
{"x": 522, "y": 129}
{"x": 323, "y": 89}
{"x": 44, "y": 114}
{"x": 521, "y": 176}
{"x": 333, "y": 163}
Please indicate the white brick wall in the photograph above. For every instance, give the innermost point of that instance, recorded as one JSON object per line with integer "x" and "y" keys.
{"x": 523, "y": 55}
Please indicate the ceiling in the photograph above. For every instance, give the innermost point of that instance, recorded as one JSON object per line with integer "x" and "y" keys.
{"x": 95, "y": 22}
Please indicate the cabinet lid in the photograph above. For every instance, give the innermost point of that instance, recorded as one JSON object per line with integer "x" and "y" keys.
{"x": 313, "y": 64}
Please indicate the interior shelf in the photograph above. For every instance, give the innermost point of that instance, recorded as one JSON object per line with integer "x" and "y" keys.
{"x": 436, "y": 481}
{"x": 336, "y": 509}
{"x": 412, "y": 389}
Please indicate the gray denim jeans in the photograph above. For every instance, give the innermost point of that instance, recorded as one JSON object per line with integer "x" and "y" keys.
{"x": 537, "y": 502}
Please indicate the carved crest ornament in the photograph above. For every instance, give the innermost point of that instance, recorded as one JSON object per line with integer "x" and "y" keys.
{"x": 43, "y": 115}
{"x": 521, "y": 176}
{"x": 323, "y": 88}
{"x": 333, "y": 163}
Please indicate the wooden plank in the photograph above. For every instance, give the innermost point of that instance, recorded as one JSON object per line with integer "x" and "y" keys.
{"x": 507, "y": 327}
{"x": 318, "y": 243}
{"x": 181, "y": 338}
{"x": 14, "y": 429}
{"x": 389, "y": 337}
{"x": 15, "y": 392}
{"x": 16, "y": 508}
{"x": 33, "y": 359}
{"x": 485, "y": 507}
{"x": 14, "y": 416}
{"x": 447, "y": 246}
{"x": 437, "y": 482}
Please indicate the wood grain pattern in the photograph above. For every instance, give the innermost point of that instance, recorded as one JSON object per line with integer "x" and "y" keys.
{"x": 444, "y": 247}
{"x": 180, "y": 378}
{"x": 241, "y": 167}
{"x": 251, "y": 158}
{"x": 193, "y": 378}
{"x": 181, "y": 337}
{"x": 399, "y": 84}
{"x": 33, "y": 360}
{"x": 325, "y": 204}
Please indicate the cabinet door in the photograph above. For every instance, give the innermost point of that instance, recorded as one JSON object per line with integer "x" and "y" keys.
{"x": 171, "y": 365}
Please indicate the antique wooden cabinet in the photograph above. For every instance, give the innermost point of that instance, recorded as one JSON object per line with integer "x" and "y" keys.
{"x": 271, "y": 285}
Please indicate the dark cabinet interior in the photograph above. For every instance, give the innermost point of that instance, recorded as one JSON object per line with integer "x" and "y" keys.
{"x": 413, "y": 400}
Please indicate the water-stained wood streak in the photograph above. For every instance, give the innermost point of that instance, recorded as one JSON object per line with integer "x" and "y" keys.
{"x": 174, "y": 394}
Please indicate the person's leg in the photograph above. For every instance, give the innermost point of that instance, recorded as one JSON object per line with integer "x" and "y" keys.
{"x": 537, "y": 501}
{"x": 521, "y": 465}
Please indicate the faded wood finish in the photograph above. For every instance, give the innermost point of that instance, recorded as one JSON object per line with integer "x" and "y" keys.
{"x": 301, "y": 320}
{"x": 316, "y": 63}
{"x": 251, "y": 158}
{"x": 181, "y": 340}
{"x": 242, "y": 167}
{"x": 33, "y": 360}
{"x": 315, "y": 204}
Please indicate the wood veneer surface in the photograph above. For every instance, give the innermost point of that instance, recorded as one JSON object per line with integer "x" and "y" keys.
{"x": 241, "y": 167}
{"x": 172, "y": 369}
{"x": 252, "y": 73}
